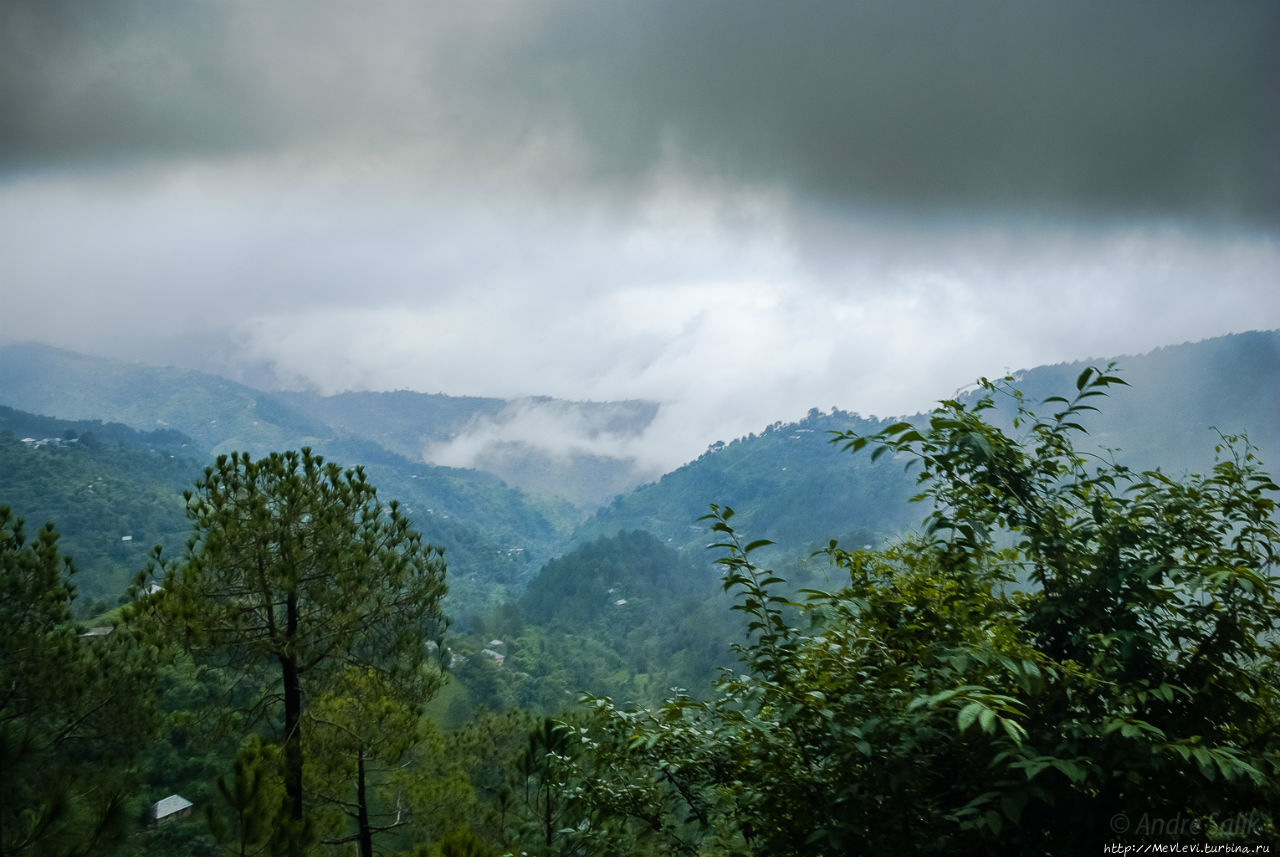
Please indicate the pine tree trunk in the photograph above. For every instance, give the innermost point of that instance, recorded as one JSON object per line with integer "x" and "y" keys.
{"x": 366, "y": 835}
{"x": 292, "y": 730}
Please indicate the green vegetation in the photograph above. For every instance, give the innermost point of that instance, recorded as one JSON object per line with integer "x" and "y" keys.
{"x": 75, "y": 710}
{"x": 299, "y": 582}
{"x": 1066, "y": 652}
{"x": 624, "y": 616}
{"x": 791, "y": 487}
{"x": 1069, "y": 647}
{"x": 114, "y": 493}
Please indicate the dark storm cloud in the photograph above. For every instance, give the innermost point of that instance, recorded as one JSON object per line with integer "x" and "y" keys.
{"x": 1144, "y": 107}
{"x": 92, "y": 81}
{"x": 1129, "y": 108}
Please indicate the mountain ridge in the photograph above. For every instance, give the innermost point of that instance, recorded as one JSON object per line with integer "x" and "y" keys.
{"x": 1164, "y": 417}
{"x": 224, "y": 416}
{"x": 787, "y": 482}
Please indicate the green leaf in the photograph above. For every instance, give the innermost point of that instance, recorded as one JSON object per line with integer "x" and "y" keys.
{"x": 987, "y": 720}
{"x": 966, "y": 716}
{"x": 1013, "y": 730}
{"x": 1012, "y": 805}
{"x": 1071, "y": 769}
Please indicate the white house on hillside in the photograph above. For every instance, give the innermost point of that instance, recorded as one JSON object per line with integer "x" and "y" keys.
{"x": 172, "y": 808}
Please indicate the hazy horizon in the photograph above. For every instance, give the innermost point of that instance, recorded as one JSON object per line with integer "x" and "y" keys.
{"x": 740, "y": 210}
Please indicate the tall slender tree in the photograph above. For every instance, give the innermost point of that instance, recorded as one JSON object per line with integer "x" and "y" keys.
{"x": 295, "y": 574}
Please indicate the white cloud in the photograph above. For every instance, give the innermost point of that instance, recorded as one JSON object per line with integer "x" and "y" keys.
{"x": 729, "y": 355}
{"x": 732, "y": 304}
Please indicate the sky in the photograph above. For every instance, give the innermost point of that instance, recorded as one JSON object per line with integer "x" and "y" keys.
{"x": 741, "y": 209}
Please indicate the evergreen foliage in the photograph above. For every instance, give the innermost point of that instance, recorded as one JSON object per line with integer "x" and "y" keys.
{"x": 623, "y": 615}
{"x": 74, "y": 710}
{"x": 576, "y": 590}
{"x": 299, "y": 581}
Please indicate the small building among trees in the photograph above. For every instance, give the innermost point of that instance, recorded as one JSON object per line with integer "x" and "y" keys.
{"x": 172, "y": 808}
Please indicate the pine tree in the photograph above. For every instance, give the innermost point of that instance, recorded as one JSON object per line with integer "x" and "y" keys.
{"x": 296, "y": 577}
{"x": 74, "y": 710}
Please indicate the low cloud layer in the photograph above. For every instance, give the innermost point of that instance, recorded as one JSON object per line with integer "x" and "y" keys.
{"x": 560, "y": 430}
{"x": 738, "y": 210}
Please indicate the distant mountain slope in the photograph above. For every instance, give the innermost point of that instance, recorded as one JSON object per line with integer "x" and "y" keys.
{"x": 402, "y": 420}
{"x": 220, "y": 415}
{"x": 791, "y": 485}
{"x": 548, "y": 447}
{"x": 114, "y": 492}
{"x": 111, "y": 492}
{"x": 786, "y": 483}
{"x": 1177, "y": 395}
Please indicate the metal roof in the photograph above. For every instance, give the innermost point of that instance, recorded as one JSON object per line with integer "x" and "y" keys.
{"x": 170, "y": 805}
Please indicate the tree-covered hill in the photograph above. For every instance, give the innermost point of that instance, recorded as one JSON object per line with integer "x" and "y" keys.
{"x": 114, "y": 492}
{"x": 624, "y": 580}
{"x": 496, "y": 435}
{"x": 622, "y": 615}
{"x": 789, "y": 484}
{"x": 220, "y": 415}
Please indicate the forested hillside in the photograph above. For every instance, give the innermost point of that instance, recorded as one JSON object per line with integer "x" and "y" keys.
{"x": 622, "y": 615}
{"x": 789, "y": 484}
{"x": 115, "y": 493}
{"x": 224, "y": 416}
{"x": 983, "y": 625}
